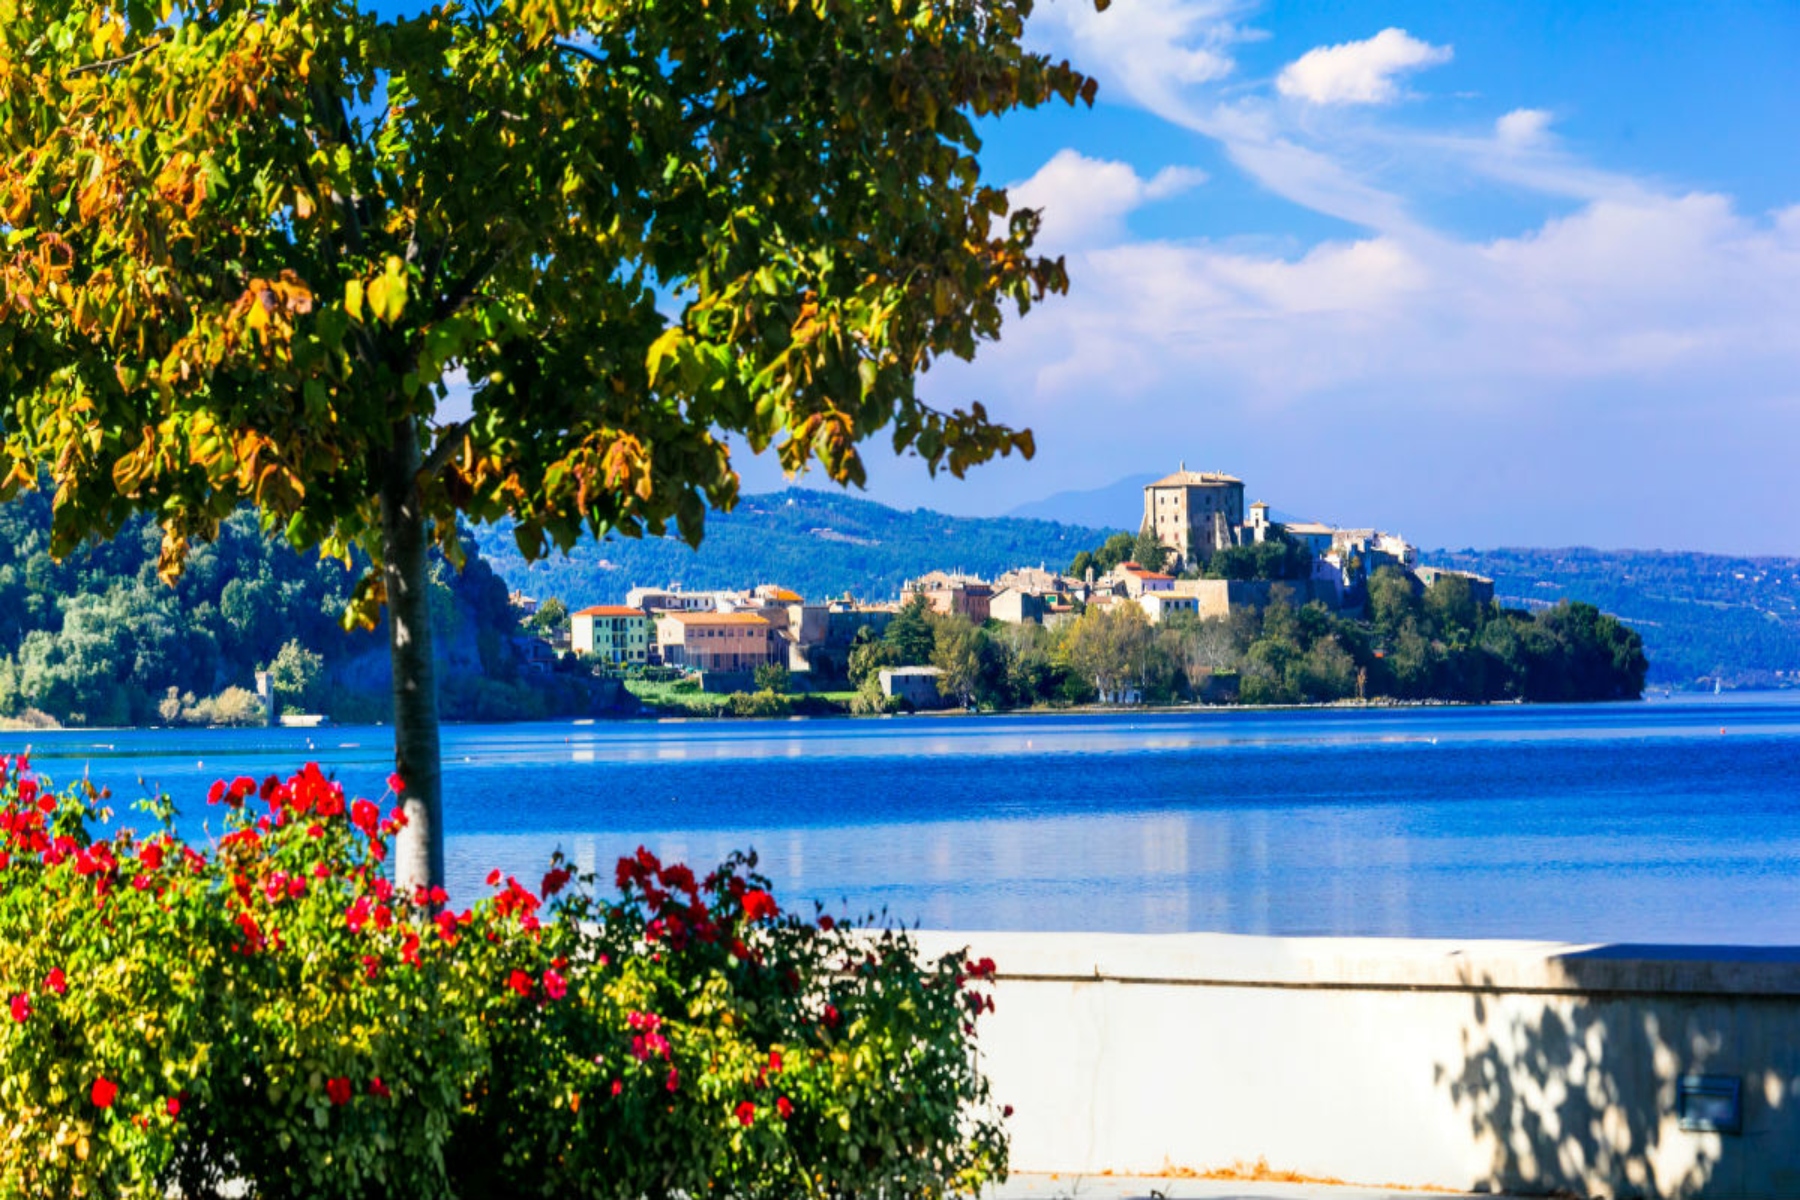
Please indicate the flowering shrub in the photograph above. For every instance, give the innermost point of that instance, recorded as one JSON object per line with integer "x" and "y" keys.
{"x": 270, "y": 1011}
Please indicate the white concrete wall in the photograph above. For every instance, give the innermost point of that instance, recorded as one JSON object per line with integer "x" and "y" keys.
{"x": 1471, "y": 1066}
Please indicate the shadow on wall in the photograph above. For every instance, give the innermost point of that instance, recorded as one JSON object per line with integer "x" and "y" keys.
{"x": 1574, "y": 1092}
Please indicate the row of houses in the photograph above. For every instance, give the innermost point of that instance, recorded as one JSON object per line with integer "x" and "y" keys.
{"x": 1194, "y": 514}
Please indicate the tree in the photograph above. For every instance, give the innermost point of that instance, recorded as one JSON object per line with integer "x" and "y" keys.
{"x": 910, "y": 633}
{"x": 296, "y": 673}
{"x": 772, "y": 677}
{"x": 551, "y": 618}
{"x": 251, "y": 246}
{"x": 1148, "y": 551}
{"x": 1109, "y": 647}
{"x": 957, "y": 653}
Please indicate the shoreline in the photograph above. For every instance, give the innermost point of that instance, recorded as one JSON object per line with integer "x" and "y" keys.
{"x": 1697, "y": 699}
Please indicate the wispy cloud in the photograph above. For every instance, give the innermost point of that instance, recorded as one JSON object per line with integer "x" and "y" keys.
{"x": 1364, "y": 72}
{"x": 1085, "y": 200}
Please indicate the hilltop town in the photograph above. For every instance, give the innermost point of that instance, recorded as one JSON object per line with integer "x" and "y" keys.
{"x": 1191, "y": 591}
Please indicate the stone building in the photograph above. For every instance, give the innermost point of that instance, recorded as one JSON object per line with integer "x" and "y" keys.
{"x": 709, "y": 641}
{"x": 1195, "y": 512}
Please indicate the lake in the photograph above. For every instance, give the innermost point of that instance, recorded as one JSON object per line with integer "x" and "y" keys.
{"x": 1672, "y": 820}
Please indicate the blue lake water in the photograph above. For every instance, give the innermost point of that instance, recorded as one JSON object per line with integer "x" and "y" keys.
{"x": 1675, "y": 821}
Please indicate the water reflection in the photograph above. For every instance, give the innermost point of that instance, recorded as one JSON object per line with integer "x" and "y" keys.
{"x": 1618, "y": 822}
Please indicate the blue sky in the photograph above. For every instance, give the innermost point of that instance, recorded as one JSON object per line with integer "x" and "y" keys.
{"x": 1481, "y": 274}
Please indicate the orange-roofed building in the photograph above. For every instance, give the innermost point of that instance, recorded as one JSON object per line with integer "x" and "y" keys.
{"x": 612, "y": 633}
{"x": 713, "y": 641}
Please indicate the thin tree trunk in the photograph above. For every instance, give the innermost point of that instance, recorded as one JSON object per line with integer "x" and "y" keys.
{"x": 419, "y": 849}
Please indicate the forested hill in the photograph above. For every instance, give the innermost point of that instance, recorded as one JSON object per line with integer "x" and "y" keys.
{"x": 1703, "y": 617}
{"x": 817, "y": 543}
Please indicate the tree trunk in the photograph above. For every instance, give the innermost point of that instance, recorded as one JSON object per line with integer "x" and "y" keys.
{"x": 419, "y": 849}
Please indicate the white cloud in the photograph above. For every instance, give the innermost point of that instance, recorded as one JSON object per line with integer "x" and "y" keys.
{"x": 1671, "y": 293}
{"x": 1085, "y": 201}
{"x": 1358, "y": 72}
{"x": 1523, "y": 127}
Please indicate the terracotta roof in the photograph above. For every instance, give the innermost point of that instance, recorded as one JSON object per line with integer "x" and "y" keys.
{"x": 1196, "y": 479}
{"x": 715, "y": 618}
{"x": 784, "y": 595}
{"x": 608, "y": 610}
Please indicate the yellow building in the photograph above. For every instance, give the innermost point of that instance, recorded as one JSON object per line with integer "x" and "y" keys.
{"x": 611, "y": 632}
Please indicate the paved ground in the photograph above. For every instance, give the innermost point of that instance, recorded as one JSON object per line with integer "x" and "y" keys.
{"x": 1108, "y": 1187}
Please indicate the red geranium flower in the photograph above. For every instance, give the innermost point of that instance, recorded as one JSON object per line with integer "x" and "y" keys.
{"x": 746, "y": 1113}
{"x": 784, "y": 1107}
{"x": 338, "y": 1089}
{"x": 56, "y": 981}
{"x": 555, "y": 986}
{"x": 103, "y": 1092}
{"x": 365, "y": 816}
{"x": 520, "y": 982}
{"x": 21, "y": 1008}
{"x": 173, "y": 1106}
{"x": 759, "y": 904}
{"x": 555, "y": 880}
{"x": 378, "y": 1088}
{"x": 395, "y": 784}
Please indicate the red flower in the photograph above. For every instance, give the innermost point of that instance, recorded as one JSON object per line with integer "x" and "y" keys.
{"x": 1007, "y": 1111}
{"x": 555, "y": 880}
{"x": 365, "y": 816}
{"x": 831, "y": 1014}
{"x": 151, "y": 856}
{"x": 21, "y": 1008}
{"x": 56, "y": 981}
{"x": 775, "y": 1061}
{"x": 555, "y": 986}
{"x": 378, "y": 1088}
{"x": 395, "y": 784}
{"x": 338, "y": 1088}
{"x": 216, "y": 793}
{"x": 173, "y": 1106}
{"x": 103, "y": 1092}
{"x": 784, "y": 1107}
{"x": 409, "y": 950}
{"x": 826, "y": 923}
{"x": 446, "y": 923}
{"x": 520, "y": 982}
{"x": 371, "y": 966}
{"x": 746, "y": 1113}
{"x": 494, "y": 877}
{"x": 759, "y": 904}
{"x": 617, "y": 1086}
{"x": 674, "y": 1079}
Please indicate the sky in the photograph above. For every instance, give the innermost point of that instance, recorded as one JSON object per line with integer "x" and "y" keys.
{"x": 1482, "y": 275}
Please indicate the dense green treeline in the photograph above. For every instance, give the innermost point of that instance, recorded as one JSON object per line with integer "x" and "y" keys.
{"x": 99, "y": 640}
{"x": 1706, "y": 618}
{"x": 1435, "y": 644}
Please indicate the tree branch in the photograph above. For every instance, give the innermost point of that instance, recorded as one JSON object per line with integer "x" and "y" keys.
{"x": 107, "y": 64}
{"x": 448, "y": 444}
{"x": 582, "y": 52}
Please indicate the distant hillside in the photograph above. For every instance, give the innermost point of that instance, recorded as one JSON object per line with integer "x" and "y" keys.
{"x": 1118, "y": 505}
{"x": 818, "y": 543}
{"x": 1703, "y": 617}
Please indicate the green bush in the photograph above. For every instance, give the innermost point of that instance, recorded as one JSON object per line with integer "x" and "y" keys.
{"x": 270, "y": 1013}
{"x": 760, "y": 704}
